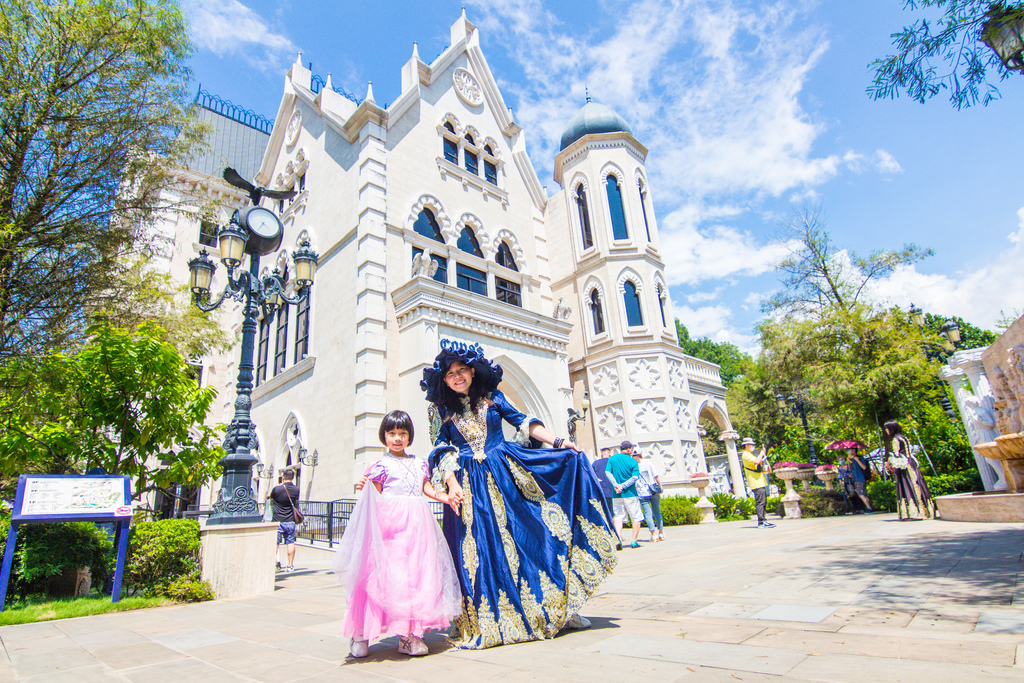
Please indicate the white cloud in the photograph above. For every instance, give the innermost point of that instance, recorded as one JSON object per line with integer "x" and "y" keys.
{"x": 980, "y": 296}
{"x": 886, "y": 163}
{"x": 229, "y": 27}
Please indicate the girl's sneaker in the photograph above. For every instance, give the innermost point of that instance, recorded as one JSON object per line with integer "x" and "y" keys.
{"x": 359, "y": 648}
{"x": 412, "y": 646}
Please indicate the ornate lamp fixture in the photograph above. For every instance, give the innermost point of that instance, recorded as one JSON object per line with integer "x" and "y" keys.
{"x": 256, "y": 231}
{"x": 575, "y": 417}
{"x": 310, "y": 460}
{"x": 1004, "y": 33}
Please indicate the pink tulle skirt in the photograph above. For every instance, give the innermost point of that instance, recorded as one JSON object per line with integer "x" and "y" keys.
{"x": 398, "y": 572}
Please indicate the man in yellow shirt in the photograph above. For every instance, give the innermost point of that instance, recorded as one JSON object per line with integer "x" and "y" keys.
{"x": 757, "y": 467}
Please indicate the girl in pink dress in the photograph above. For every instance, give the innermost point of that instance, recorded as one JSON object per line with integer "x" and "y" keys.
{"x": 393, "y": 558}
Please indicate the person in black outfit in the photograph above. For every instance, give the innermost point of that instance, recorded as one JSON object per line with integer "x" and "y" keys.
{"x": 284, "y": 495}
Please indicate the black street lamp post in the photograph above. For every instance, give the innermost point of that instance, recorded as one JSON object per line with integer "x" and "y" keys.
{"x": 256, "y": 231}
{"x": 798, "y": 407}
{"x": 950, "y": 339}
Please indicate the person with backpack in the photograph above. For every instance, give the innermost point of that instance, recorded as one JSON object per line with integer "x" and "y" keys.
{"x": 860, "y": 474}
{"x": 286, "y": 513}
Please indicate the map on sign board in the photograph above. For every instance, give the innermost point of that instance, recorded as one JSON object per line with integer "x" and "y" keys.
{"x": 73, "y": 495}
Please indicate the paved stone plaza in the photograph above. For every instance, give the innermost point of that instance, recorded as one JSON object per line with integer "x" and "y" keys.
{"x": 859, "y": 598}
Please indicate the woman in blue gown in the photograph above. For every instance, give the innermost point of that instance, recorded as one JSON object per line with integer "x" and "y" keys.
{"x": 531, "y": 541}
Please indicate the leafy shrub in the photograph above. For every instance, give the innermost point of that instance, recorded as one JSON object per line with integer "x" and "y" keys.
{"x": 774, "y": 503}
{"x": 818, "y": 502}
{"x": 728, "y": 507}
{"x": 45, "y": 552}
{"x": 747, "y": 507}
{"x": 882, "y": 495}
{"x": 957, "y": 482}
{"x": 677, "y": 510}
{"x": 163, "y": 554}
{"x": 187, "y": 589}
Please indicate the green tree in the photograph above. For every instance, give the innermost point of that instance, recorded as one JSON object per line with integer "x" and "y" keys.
{"x": 945, "y": 54}
{"x": 124, "y": 402}
{"x": 817, "y": 275}
{"x": 95, "y": 110}
{"x": 728, "y": 357}
{"x": 971, "y": 337}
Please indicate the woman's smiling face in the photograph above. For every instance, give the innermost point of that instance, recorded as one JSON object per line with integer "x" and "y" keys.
{"x": 459, "y": 377}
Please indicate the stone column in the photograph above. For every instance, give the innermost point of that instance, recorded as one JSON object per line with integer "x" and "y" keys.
{"x": 966, "y": 374}
{"x": 739, "y": 487}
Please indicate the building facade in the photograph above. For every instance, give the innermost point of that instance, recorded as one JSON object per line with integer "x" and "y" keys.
{"x": 431, "y": 224}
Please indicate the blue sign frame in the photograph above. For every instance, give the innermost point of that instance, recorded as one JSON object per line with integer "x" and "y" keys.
{"x": 121, "y": 519}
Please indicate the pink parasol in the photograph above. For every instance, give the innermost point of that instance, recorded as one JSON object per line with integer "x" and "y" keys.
{"x": 844, "y": 445}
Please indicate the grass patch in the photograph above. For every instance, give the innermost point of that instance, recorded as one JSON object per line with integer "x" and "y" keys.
{"x": 67, "y": 608}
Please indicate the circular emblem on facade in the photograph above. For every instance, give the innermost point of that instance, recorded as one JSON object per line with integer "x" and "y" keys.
{"x": 467, "y": 87}
{"x": 291, "y": 133}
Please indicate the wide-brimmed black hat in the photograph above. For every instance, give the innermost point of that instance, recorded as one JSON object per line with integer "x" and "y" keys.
{"x": 472, "y": 355}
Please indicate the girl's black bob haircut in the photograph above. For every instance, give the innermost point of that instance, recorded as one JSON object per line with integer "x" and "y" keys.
{"x": 396, "y": 419}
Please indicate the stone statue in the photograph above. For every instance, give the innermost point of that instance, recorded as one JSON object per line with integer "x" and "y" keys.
{"x": 423, "y": 265}
{"x": 561, "y": 311}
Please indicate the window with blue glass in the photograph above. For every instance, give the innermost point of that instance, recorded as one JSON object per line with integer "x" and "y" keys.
{"x": 584, "y": 215}
{"x": 472, "y": 162}
{"x": 468, "y": 243}
{"x": 441, "y": 274}
{"x": 643, "y": 208}
{"x": 281, "y": 349}
{"x": 506, "y": 290}
{"x": 470, "y": 279}
{"x": 302, "y": 328}
{"x": 631, "y": 299}
{"x": 504, "y": 257}
{"x": 596, "y": 311}
{"x": 427, "y": 226}
{"x": 619, "y": 231}
{"x": 451, "y": 147}
{"x": 490, "y": 172}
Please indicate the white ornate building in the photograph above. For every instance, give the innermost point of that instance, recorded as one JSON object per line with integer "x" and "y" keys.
{"x": 431, "y": 224}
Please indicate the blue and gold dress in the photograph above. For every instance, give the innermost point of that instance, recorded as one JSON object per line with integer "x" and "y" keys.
{"x": 532, "y": 541}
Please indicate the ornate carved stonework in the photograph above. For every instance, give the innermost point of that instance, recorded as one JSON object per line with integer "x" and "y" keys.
{"x": 291, "y": 133}
{"x": 683, "y": 417}
{"x": 610, "y": 421}
{"x": 606, "y": 380}
{"x": 467, "y": 87}
{"x": 661, "y": 452}
{"x": 650, "y": 415}
{"x": 644, "y": 374}
{"x": 691, "y": 459}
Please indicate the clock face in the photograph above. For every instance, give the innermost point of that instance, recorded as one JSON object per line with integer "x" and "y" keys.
{"x": 263, "y": 222}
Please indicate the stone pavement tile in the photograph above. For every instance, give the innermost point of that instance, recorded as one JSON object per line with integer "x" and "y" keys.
{"x": 86, "y": 674}
{"x": 669, "y": 608}
{"x": 238, "y": 654}
{"x": 33, "y": 663}
{"x": 264, "y": 631}
{"x": 841, "y": 668}
{"x": 719, "y": 655}
{"x": 290, "y": 668}
{"x": 138, "y": 654}
{"x": 147, "y": 623}
{"x": 191, "y": 638}
{"x": 322, "y": 646}
{"x": 58, "y": 641}
{"x": 718, "y": 630}
{"x": 320, "y": 606}
{"x": 40, "y": 629}
{"x": 816, "y": 643}
{"x": 191, "y": 670}
{"x": 706, "y": 674}
{"x": 103, "y": 638}
{"x": 944, "y": 620}
{"x": 1020, "y": 656}
{"x": 727, "y": 610}
{"x": 278, "y": 616}
{"x": 958, "y": 651}
{"x": 560, "y": 663}
{"x": 812, "y": 614}
{"x": 443, "y": 667}
{"x": 620, "y": 602}
{"x": 1000, "y": 622}
{"x": 865, "y": 616}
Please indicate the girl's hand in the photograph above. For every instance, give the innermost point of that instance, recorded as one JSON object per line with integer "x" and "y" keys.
{"x": 361, "y": 483}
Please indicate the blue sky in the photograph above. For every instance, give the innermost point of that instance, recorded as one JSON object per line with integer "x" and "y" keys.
{"x": 751, "y": 110}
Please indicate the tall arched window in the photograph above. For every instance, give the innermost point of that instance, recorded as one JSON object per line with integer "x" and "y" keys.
{"x": 631, "y": 299}
{"x": 506, "y": 290}
{"x": 470, "y": 157}
{"x": 504, "y": 257}
{"x": 584, "y": 213}
{"x": 468, "y": 243}
{"x": 619, "y": 230}
{"x": 643, "y": 208}
{"x": 451, "y": 147}
{"x": 281, "y": 347}
{"x": 427, "y": 226}
{"x": 597, "y": 312}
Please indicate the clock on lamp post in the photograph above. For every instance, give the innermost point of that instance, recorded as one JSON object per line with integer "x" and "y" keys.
{"x": 256, "y": 231}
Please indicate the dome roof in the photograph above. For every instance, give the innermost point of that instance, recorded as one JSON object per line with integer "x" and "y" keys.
{"x": 593, "y": 118}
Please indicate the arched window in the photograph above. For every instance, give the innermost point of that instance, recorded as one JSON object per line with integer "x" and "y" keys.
{"x": 427, "y": 226}
{"x": 631, "y": 299}
{"x": 643, "y": 208}
{"x": 281, "y": 347}
{"x": 468, "y": 243}
{"x": 470, "y": 157}
{"x": 504, "y": 257}
{"x": 262, "y": 351}
{"x": 584, "y": 213}
{"x": 619, "y": 231}
{"x": 302, "y": 328}
{"x": 451, "y": 147}
{"x": 597, "y": 312}
{"x": 487, "y": 148}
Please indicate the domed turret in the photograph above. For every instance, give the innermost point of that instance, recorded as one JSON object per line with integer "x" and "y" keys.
{"x": 593, "y": 118}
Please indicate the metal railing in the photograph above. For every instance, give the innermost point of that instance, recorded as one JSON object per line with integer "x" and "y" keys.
{"x": 325, "y": 520}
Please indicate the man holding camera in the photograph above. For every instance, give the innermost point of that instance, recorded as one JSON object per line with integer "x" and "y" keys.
{"x": 757, "y": 468}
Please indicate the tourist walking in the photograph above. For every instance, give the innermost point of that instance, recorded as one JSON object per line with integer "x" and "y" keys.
{"x": 531, "y": 543}
{"x": 912, "y": 498}
{"x": 650, "y": 476}
{"x": 600, "y": 466}
{"x": 623, "y": 473}
{"x": 285, "y": 497}
{"x": 645, "y": 493}
{"x": 860, "y": 473}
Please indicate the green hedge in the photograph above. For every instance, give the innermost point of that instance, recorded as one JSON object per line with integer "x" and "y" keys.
{"x": 678, "y": 510}
{"x": 958, "y": 482}
{"x": 817, "y": 502}
{"x": 882, "y": 495}
{"x": 163, "y": 560}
